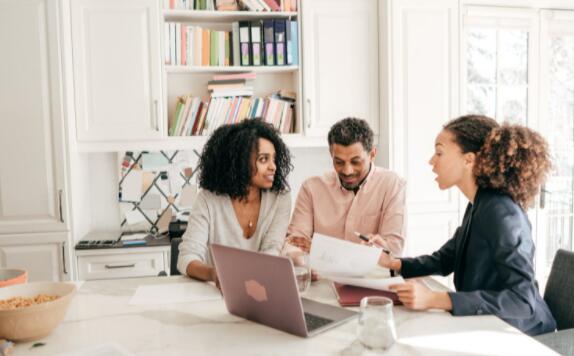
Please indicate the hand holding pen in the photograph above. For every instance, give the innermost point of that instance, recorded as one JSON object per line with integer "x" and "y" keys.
{"x": 385, "y": 260}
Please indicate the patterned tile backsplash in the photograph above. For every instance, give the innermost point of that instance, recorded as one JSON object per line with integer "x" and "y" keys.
{"x": 154, "y": 187}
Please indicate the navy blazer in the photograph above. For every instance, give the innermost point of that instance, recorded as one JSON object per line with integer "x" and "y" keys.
{"x": 491, "y": 256}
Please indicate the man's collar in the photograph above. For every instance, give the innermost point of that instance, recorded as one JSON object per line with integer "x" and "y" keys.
{"x": 363, "y": 184}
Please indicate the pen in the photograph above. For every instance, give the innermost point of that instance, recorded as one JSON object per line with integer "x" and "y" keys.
{"x": 366, "y": 239}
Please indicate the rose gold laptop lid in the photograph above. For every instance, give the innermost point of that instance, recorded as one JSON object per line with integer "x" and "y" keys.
{"x": 262, "y": 288}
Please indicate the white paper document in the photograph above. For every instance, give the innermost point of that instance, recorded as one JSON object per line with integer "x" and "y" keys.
{"x": 333, "y": 256}
{"x": 373, "y": 283}
{"x": 174, "y": 293}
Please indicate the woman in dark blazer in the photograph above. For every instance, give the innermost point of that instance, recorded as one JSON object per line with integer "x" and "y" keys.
{"x": 499, "y": 169}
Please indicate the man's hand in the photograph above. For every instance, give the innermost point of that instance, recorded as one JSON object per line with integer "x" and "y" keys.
{"x": 416, "y": 295}
{"x": 301, "y": 242}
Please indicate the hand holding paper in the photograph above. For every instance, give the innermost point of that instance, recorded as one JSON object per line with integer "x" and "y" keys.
{"x": 332, "y": 256}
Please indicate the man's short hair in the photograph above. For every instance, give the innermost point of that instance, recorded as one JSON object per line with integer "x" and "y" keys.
{"x": 349, "y": 131}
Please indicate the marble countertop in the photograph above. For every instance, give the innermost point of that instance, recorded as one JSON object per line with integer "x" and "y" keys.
{"x": 99, "y": 316}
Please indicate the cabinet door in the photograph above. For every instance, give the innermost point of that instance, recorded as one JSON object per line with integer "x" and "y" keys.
{"x": 117, "y": 69}
{"x": 424, "y": 95}
{"x": 340, "y": 63}
{"x": 31, "y": 138}
{"x": 44, "y": 256}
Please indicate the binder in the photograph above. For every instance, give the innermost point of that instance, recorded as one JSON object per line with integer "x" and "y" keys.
{"x": 235, "y": 44}
{"x": 350, "y": 296}
{"x": 256, "y": 44}
{"x": 280, "y": 52}
{"x": 294, "y": 43}
{"x": 269, "y": 42}
{"x": 288, "y": 42}
{"x": 244, "y": 43}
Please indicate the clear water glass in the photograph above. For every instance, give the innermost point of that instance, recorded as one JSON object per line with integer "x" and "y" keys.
{"x": 376, "y": 328}
{"x": 302, "y": 269}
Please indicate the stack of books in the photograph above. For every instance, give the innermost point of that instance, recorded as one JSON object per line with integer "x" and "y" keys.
{"x": 230, "y": 102}
{"x": 231, "y": 85}
{"x": 267, "y": 42}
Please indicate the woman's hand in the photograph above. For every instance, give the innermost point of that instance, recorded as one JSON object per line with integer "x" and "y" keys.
{"x": 385, "y": 259}
{"x": 416, "y": 295}
{"x": 213, "y": 277}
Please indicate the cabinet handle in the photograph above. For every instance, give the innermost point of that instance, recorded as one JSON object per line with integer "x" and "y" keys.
{"x": 543, "y": 192}
{"x": 60, "y": 205}
{"x": 308, "y": 113}
{"x": 64, "y": 257}
{"x": 120, "y": 266}
{"x": 156, "y": 106}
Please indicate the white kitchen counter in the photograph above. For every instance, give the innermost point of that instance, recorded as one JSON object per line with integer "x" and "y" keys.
{"x": 100, "y": 315}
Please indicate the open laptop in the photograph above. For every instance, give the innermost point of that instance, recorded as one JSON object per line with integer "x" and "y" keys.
{"x": 262, "y": 288}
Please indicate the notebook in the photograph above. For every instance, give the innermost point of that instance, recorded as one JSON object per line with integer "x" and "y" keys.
{"x": 350, "y": 296}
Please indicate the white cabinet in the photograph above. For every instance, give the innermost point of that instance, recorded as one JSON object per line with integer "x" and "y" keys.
{"x": 117, "y": 69}
{"x": 32, "y": 190}
{"x": 340, "y": 62}
{"x": 424, "y": 95}
{"x": 122, "y": 262}
{"x": 45, "y": 256}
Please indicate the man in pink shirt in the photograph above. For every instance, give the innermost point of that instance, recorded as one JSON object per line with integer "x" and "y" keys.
{"x": 357, "y": 197}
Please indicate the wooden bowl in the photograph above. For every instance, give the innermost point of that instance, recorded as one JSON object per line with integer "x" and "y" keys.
{"x": 35, "y": 321}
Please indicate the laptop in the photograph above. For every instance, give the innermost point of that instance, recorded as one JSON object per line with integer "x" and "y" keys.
{"x": 262, "y": 288}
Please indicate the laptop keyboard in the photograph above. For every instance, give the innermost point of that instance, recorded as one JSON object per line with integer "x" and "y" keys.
{"x": 314, "y": 322}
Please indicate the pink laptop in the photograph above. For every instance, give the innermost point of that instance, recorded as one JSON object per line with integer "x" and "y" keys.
{"x": 263, "y": 289}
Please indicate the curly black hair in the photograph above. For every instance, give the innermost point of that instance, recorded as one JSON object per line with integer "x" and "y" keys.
{"x": 512, "y": 159}
{"x": 349, "y": 131}
{"x": 225, "y": 163}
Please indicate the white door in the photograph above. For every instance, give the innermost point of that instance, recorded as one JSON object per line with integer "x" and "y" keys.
{"x": 556, "y": 204}
{"x": 32, "y": 193}
{"x": 44, "y": 256}
{"x": 424, "y": 95}
{"x": 117, "y": 69}
{"x": 340, "y": 63}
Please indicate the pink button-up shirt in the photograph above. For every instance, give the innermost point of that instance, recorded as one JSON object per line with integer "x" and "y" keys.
{"x": 326, "y": 207}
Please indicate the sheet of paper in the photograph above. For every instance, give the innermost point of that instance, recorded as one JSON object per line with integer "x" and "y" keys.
{"x": 151, "y": 202}
{"x": 154, "y": 162}
{"x": 188, "y": 194}
{"x": 132, "y": 186}
{"x": 131, "y": 237}
{"x": 134, "y": 217}
{"x": 157, "y": 294}
{"x": 333, "y": 256}
{"x": 108, "y": 349}
{"x": 373, "y": 283}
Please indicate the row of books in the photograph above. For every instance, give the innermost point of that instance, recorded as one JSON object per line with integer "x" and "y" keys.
{"x": 232, "y": 5}
{"x": 196, "y": 117}
{"x": 267, "y": 42}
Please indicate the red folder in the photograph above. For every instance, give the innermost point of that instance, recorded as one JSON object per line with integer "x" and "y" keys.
{"x": 350, "y": 296}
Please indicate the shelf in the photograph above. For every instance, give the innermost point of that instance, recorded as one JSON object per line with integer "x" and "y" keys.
{"x": 222, "y": 16}
{"x": 223, "y": 69}
{"x": 294, "y": 140}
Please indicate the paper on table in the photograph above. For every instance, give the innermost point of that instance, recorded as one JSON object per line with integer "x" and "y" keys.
{"x": 139, "y": 236}
{"x": 373, "y": 283}
{"x": 333, "y": 256}
{"x": 174, "y": 293}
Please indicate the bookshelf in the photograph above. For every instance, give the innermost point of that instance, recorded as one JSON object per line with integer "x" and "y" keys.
{"x": 180, "y": 80}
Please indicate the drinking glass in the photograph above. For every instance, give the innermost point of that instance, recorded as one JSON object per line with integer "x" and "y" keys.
{"x": 302, "y": 269}
{"x": 376, "y": 329}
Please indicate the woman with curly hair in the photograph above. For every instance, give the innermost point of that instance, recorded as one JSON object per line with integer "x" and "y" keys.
{"x": 499, "y": 169}
{"x": 244, "y": 201}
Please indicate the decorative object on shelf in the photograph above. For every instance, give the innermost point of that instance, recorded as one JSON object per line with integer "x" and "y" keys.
{"x": 154, "y": 187}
